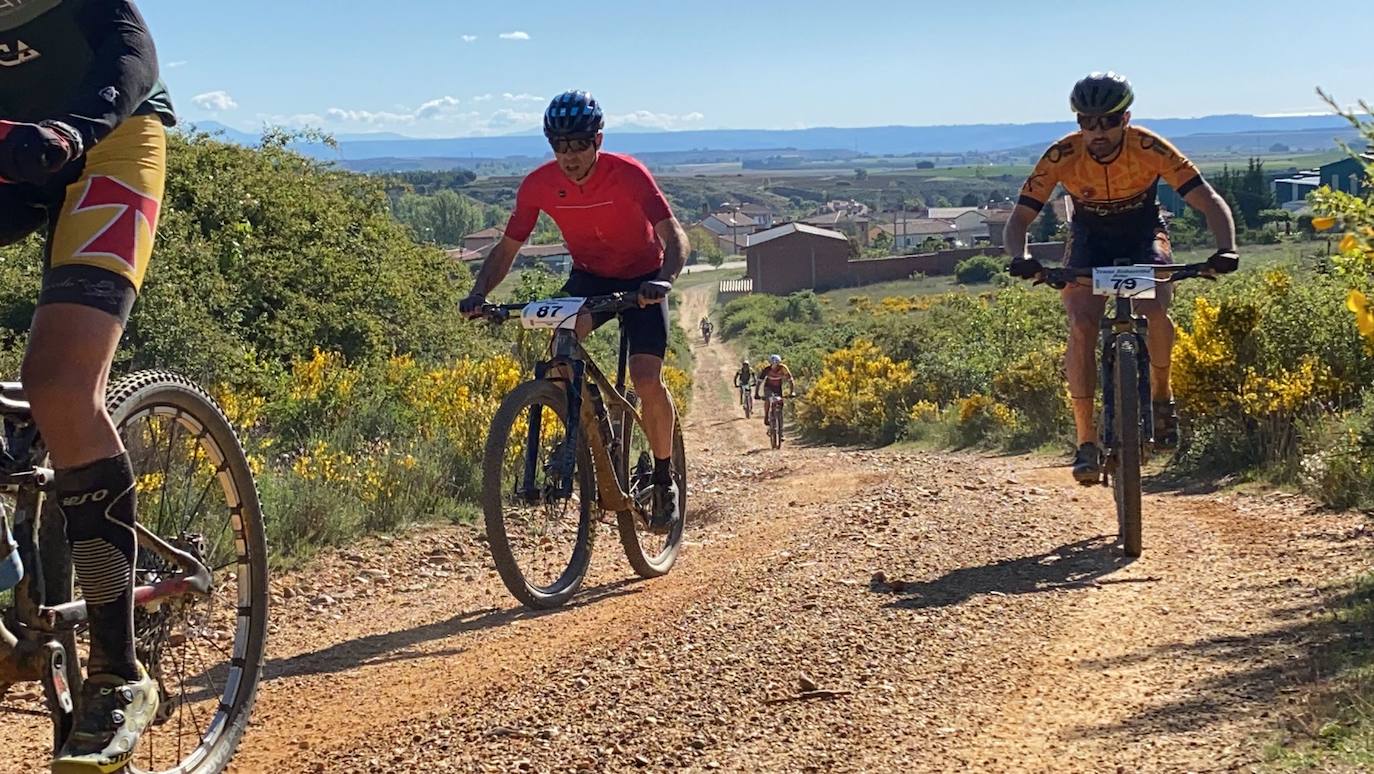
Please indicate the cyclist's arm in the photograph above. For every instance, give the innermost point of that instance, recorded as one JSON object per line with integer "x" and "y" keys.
{"x": 496, "y": 266}
{"x": 1035, "y": 193}
{"x": 122, "y": 72}
{"x": 1205, "y": 199}
{"x": 1185, "y": 178}
{"x": 518, "y": 229}
{"x": 1018, "y": 225}
{"x": 675, "y": 250}
{"x": 669, "y": 231}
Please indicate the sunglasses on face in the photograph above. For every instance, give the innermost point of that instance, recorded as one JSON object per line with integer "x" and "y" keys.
{"x": 1110, "y": 121}
{"x": 572, "y": 145}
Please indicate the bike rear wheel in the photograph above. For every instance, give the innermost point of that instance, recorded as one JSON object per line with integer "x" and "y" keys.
{"x": 649, "y": 554}
{"x": 1126, "y": 481}
{"x": 541, "y": 539}
{"x": 196, "y": 491}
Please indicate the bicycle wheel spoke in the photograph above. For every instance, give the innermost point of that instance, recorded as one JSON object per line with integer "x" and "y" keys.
{"x": 205, "y": 491}
{"x": 190, "y": 480}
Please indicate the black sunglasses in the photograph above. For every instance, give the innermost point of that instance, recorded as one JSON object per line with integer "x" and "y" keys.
{"x": 1109, "y": 121}
{"x": 572, "y": 144}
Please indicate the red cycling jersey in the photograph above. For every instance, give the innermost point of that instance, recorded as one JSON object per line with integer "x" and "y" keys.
{"x": 607, "y": 221}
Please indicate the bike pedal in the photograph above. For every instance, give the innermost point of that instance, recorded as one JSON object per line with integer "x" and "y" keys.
{"x": 55, "y": 678}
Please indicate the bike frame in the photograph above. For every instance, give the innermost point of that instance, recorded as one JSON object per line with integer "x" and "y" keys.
{"x": 1122, "y": 327}
{"x": 27, "y": 652}
{"x": 588, "y": 390}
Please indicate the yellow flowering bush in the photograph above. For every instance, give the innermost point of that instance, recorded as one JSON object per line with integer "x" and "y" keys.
{"x": 1034, "y": 387}
{"x": 860, "y": 396}
{"x": 981, "y": 419}
{"x": 924, "y": 411}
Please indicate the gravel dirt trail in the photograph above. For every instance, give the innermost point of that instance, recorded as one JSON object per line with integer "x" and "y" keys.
{"x": 833, "y": 610}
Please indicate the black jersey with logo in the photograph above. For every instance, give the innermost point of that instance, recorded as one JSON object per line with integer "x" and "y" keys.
{"x": 87, "y": 63}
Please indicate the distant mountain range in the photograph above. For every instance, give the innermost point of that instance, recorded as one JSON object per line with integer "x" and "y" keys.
{"x": 1223, "y": 130}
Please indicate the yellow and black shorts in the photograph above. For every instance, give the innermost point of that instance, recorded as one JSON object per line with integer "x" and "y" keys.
{"x": 101, "y": 216}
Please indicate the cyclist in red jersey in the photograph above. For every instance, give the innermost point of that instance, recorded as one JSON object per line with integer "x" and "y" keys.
{"x": 623, "y": 237}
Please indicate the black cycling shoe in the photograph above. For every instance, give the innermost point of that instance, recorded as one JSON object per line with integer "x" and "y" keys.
{"x": 1087, "y": 465}
{"x": 1166, "y": 424}
{"x": 665, "y": 513}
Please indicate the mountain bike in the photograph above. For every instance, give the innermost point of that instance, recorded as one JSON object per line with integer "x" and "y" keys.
{"x": 1127, "y": 428}
{"x": 746, "y": 399}
{"x": 706, "y": 334}
{"x": 200, "y": 596}
{"x": 563, "y": 445}
{"x": 773, "y": 412}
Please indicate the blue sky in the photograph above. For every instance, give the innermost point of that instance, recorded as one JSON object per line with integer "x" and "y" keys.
{"x": 447, "y": 68}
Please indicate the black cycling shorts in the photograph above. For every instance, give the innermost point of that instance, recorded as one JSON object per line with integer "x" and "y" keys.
{"x": 645, "y": 327}
{"x": 1094, "y": 249}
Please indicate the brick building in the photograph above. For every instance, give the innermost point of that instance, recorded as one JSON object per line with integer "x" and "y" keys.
{"x": 796, "y": 256}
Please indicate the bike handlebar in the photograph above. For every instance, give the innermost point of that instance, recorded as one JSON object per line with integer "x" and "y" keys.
{"x": 1165, "y": 272}
{"x": 612, "y": 303}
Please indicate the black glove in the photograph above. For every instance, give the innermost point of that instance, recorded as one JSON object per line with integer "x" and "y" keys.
{"x": 1025, "y": 268}
{"x": 33, "y": 153}
{"x": 472, "y": 305}
{"x": 654, "y": 291}
{"x": 1224, "y": 262}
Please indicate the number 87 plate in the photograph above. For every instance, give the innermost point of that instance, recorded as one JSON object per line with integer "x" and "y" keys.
{"x": 1127, "y": 281}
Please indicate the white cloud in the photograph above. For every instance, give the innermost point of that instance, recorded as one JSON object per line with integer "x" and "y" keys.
{"x": 369, "y": 117}
{"x": 509, "y": 97}
{"x": 652, "y": 120}
{"x": 516, "y": 35}
{"x": 506, "y": 118}
{"x": 482, "y": 98}
{"x": 216, "y": 101}
{"x": 295, "y": 121}
{"x": 435, "y": 107}
{"x": 468, "y": 38}
{"x": 176, "y": 64}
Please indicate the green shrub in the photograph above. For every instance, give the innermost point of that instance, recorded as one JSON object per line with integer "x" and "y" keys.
{"x": 978, "y": 269}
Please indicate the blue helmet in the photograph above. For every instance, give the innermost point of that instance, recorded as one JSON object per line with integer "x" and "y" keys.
{"x": 573, "y": 114}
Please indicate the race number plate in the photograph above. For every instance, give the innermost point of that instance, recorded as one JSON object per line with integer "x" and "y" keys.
{"x": 1128, "y": 281}
{"x": 551, "y": 313}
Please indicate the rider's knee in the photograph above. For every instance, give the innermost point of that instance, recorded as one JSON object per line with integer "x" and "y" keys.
{"x": 1082, "y": 324}
{"x": 51, "y": 382}
{"x": 647, "y": 378}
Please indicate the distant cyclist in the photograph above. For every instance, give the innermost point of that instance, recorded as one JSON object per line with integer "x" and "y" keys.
{"x": 770, "y": 379}
{"x": 744, "y": 379}
{"x": 706, "y": 329}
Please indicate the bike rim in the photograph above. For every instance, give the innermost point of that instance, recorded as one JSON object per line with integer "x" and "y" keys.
{"x": 639, "y": 462}
{"x": 545, "y": 529}
{"x": 196, "y": 647}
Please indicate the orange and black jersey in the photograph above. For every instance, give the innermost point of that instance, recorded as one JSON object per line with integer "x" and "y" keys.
{"x": 1116, "y": 195}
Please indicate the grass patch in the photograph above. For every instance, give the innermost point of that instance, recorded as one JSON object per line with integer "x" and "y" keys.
{"x": 1334, "y": 727}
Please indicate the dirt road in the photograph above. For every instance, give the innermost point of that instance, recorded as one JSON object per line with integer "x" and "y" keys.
{"x": 834, "y": 610}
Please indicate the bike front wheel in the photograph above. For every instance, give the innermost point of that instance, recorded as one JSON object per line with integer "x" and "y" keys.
{"x": 195, "y": 491}
{"x": 539, "y": 529}
{"x": 748, "y": 402}
{"x": 1126, "y": 481}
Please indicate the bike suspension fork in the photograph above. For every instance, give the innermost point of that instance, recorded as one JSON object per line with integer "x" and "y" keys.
{"x": 1107, "y": 385}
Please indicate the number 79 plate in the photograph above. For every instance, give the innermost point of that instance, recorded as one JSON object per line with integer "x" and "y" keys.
{"x": 1127, "y": 281}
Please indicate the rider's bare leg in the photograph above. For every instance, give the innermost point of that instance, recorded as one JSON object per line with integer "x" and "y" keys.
{"x": 646, "y": 373}
{"x": 64, "y": 375}
{"x": 1080, "y": 361}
